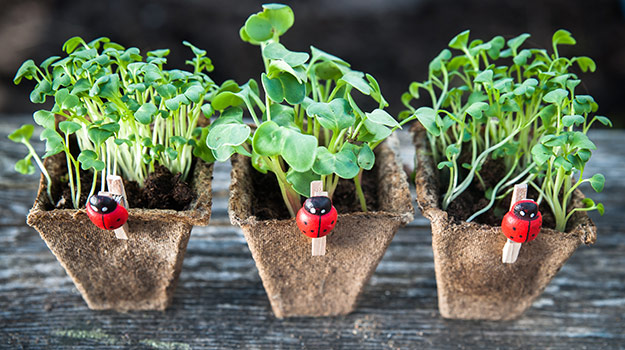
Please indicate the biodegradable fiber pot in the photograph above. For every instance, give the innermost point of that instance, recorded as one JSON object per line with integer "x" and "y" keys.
{"x": 299, "y": 284}
{"x": 472, "y": 281}
{"x": 135, "y": 274}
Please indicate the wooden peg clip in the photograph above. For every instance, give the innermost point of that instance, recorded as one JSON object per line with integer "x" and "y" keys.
{"x": 318, "y": 244}
{"x": 116, "y": 186}
{"x": 511, "y": 249}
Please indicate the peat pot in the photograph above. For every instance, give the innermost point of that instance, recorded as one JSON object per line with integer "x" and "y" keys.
{"x": 139, "y": 273}
{"x": 298, "y": 284}
{"x": 472, "y": 281}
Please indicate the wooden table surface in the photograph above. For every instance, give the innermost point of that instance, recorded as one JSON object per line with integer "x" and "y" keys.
{"x": 220, "y": 302}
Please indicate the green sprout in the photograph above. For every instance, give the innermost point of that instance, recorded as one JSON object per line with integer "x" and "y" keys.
{"x": 492, "y": 101}
{"x": 126, "y": 114}
{"x": 308, "y": 126}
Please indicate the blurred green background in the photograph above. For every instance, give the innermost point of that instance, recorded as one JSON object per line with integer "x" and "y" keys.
{"x": 394, "y": 40}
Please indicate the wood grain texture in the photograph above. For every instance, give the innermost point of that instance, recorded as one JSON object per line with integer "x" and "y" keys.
{"x": 220, "y": 302}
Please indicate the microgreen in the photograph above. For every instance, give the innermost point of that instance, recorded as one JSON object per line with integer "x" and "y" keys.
{"x": 125, "y": 112}
{"x": 307, "y": 125}
{"x": 495, "y": 99}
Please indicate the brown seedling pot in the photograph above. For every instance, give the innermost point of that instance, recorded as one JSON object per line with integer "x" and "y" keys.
{"x": 472, "y": 281}
{"x": 139, "y": 273}
{"x": 299, "y": 284}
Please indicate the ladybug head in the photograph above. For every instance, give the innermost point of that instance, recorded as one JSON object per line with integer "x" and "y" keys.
{"x": 102, "y": 204}
{"x": 318, "y": 205}
{"x": 526, "y": 209}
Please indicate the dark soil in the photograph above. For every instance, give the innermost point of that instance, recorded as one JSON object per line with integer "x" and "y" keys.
{"x": 161, "y": 190}
{"x": 268, "y": 203}
{"x": 473, "y": 199}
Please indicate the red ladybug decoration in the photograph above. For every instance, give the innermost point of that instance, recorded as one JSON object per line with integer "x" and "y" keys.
{"x": 523, "y": 222}
{"x": 317, "y": 217}
{"x": 107, "y": 213}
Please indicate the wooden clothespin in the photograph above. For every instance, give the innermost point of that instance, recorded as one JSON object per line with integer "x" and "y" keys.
{"x": 317, "y": 217}
{"x": 521, "y": 224}
{"x": 318, "y": 243}
{"x": 116, "y": 186}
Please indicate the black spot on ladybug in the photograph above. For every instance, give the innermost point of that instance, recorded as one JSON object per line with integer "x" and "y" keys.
{"x": 533, "y": 235}
{"x": 513, "y": 228}
{"x": 325, "y": 230}
{"x": 312, "y": 230}
{"x": 332, "y": 222}
{"x": 304, "y": 232}
{"x": 305, "y": 223}
{"x": 118, "y": 219}
{"x": 511, "y": 237}
{"x": 520, "y": 236}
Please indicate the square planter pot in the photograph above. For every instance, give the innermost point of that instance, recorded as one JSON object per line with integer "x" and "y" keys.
{"x": 298, "y": 284}
{"x": 472, "y": 281}
{"x": 139, "y": 273}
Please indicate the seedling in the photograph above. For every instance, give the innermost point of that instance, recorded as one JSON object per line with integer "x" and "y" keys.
{"x": 126, "y": 114}
{"x": 492, "y": 101}
{"x": 308, "y": 126}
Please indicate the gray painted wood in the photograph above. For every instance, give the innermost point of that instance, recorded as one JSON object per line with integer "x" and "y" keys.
{"x": 220, "y": 302}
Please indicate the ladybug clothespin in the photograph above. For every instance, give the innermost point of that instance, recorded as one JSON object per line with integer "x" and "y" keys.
{"x": 108, "y": 210}
{"x": 317, "y": 217}
{"x": 521, "y": 224}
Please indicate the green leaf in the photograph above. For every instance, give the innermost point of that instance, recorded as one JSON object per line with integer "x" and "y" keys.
{"x": 72, "y": 43}
{"x": 89, "y": 160}
{"x": 515, "y": 43}
{"x": 65, "y": 100}
{"x": 569, "y": 120}
{"x": 380, "y": 116}
{"x": 477, "y": 109}
{"x": 496, "y": 44}
{"x": 580, "y": 140}
{"x": 521, "y": 58}
{"x": 145, "y": 113}
{"x": 80, "y": 86}
{"x": 438, "y": 61}
{"x": 604, "y": 120}
{"x": 427, "y": 117}
{"x": 23, "y": 134}
{"x": 196, "y": 51}
{"x": 277, "y": 51}
{"x": 562, "y": 37}
{"x": 342, "y": 163}
{"x": 195, "y": 93}
{"x": 268, "y": 139}
{"x": 54, "y": 142}
{"x": 448, "y": 164}
{"x": 460, "y": 41}
{"x": 356, "y": 79}
{"x": 69, "y": 127}
{"x": 258, "y": 28}
{"x": 366, "y": 157}
{"x": 585, "y": 63}
{"x": 281, "y": 115}
{"x": 299, "y": 150}
{"x": 547, "y": 113}
{"x": 45, "y": 119}
{"x": 301, "y": 181}
{"x": 25, "y": 166}
{"x": 377, "y": 132}
{"x": 227, "y": 135}
{"x": 335, "y": 115}
{"x": 27, "y": 70}
{"x": 226, "y": 99}
{"x": 201, "y": 150}
{"x": 600, "y": 209}
{"x": 41, "y": 90}
{"x": 273, "y": 88}
{"x": 541, "y": 154}
{"x": 166, "y": 90}
{"x": 452, "y": 150}
{"x": 553, "y": 140}
{"x": 484, "y": 77}
{"x": 597, "y": 181}
{"x": 563, "y": 163}
{"x": 259, "y": 163}
{"x": 294, "y": 91}
{"x": 174, "y": 103}
{"x": 556, "y": 96}
{"x": 98, "y": 135}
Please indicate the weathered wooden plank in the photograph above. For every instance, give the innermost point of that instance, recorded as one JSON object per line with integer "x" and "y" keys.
{"x": 220, "y": 302}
